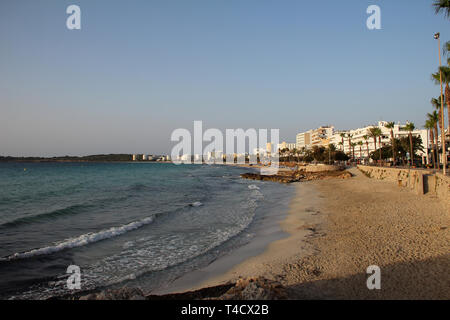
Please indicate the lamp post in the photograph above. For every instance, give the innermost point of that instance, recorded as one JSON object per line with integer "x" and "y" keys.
{"x": 437, "y": 36}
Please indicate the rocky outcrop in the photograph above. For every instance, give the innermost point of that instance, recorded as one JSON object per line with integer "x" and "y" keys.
{"x": 117, "y": 294}
{"x": 255, "y": 289}
{"x": 298, "y": 176}
{"x": 274, "y": 178}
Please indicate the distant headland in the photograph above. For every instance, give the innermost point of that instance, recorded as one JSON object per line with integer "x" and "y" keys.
{"x": 89, "y": 158}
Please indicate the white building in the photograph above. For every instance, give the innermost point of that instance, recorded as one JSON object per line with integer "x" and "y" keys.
{"x": 260, "y": 151}
{"x": 320, "y": 137}
{"x": 214, "y": 157}
{"x": 357, "y": 135}
{"x": 303, "y": 140}
{"x": 185, "y": 157}
{"x": 287, "y": 145}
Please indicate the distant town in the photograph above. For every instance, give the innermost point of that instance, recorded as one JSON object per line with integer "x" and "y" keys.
{"x": 367, "y": 144}
{"x": 358, "y": 145}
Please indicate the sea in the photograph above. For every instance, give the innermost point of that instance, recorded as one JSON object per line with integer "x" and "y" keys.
{"x": 122, "y": 224}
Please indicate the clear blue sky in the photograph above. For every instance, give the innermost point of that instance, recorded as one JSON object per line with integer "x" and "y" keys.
{"x": 139, "y": 69}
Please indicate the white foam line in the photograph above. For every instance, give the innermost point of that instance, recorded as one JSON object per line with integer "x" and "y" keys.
{"x": 196, "y": 204}
{"x": 80, "y": 241}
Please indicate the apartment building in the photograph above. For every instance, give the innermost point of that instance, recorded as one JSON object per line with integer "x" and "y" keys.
{"x": 317, "y": 137}
{"x": 358, "y": 135}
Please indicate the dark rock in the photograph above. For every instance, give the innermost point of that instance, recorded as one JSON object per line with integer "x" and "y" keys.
{"x": 116, "y": 294}
{"x": 297, "y": 176}
{"x": 244, "y": 289}
{"x": 255, "y": 289}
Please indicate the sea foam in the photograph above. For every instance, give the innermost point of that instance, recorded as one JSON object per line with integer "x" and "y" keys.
{"x": 80, "y": 241}
{"x": 196, "y": 204}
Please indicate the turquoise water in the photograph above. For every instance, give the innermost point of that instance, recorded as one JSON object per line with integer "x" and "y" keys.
{"x": 121, "y": 223}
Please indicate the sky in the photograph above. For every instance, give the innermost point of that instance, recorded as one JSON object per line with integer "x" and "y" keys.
{"x": 137, "y": 70}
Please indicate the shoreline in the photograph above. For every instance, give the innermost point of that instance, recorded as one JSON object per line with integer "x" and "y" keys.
{"x": 277, "y": 241}
{"x": 266, "y": 229}
{"x": 338, "y": 228}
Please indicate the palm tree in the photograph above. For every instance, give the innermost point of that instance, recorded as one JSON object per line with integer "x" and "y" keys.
{"x": 366, "y": 139}
{"x": 374, "y": 133}
{"x": 294, "y": 153}
{"x": 353, "y": 145}
{"x": 381, "y": 146}
{"x": 360, "y": 144}
{"x": 429, "y": 125}
{"x": 410, "y": 127}
{"x": 303, "y": 151}
{"x": 445, "y": 79}
{"x": 331, "y": 150}
{"x": 436, "y": 102}
{"x": 390, "y": 126}
{"x": 349, "y": 137}
{"x": 442, "y": 5}
{"x": 342, "y": 137}
{"x": 434, "y": 119}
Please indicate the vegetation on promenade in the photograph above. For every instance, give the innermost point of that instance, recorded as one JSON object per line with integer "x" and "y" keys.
{"x": 316, "y": 154}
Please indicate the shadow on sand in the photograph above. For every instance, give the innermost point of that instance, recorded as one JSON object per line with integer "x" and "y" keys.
{"x": 427, "y": 279}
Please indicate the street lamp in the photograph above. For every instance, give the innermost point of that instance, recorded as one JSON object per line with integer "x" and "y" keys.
{"x": 437, "y": 36}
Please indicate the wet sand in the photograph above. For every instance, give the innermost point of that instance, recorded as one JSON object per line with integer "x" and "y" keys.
{"x": 337, "y": 228}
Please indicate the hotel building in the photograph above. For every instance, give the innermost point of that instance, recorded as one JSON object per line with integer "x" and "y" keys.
{"x": 317, "y": 137}
{"x": 357, "y": 135}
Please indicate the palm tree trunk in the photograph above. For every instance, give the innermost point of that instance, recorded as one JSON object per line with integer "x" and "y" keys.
{"x": 411, "y": 148}
{"x": 368, "y": 153}
{"x": 436, "y": 146}
{"x": 350, "y": 147}
{"x": 432, "y": 150}
{"x": 375, "y": 142}
{"x": 381, "y": 147}
{"x": 393, "y": 145}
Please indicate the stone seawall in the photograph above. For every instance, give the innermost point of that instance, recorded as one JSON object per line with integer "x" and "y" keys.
{"x": 419, "y": 181}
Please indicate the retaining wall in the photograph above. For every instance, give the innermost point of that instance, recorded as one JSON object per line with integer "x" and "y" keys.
{"x": 419, "y": 181}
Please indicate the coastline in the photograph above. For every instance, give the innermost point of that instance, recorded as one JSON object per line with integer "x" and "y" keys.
{"x": 266, "y": 229}
{"x": 337, "y": 228}
{"x": 276, "y": 244}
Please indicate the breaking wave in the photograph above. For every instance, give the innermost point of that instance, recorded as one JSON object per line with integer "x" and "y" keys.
{"x": 80, "y": 241}
{"x": 196, "y": 204}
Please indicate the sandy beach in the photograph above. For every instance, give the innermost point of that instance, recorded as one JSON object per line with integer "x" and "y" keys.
{"x": 337, "y": 228}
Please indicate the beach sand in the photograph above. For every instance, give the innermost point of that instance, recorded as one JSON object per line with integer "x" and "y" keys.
{"x": 338, "y": 228}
